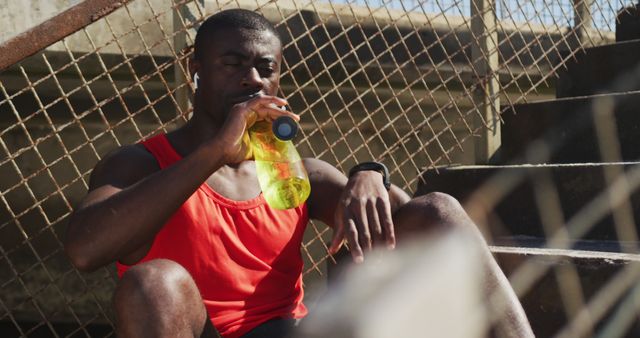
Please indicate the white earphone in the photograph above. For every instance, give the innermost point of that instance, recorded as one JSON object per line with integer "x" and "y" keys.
{"x": 196, "y": 78}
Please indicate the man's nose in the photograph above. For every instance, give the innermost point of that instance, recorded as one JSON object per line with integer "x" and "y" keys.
{"x": 252, "y": 78}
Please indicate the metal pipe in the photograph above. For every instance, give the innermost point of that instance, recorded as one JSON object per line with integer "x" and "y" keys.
{"x": 55, "y": 29}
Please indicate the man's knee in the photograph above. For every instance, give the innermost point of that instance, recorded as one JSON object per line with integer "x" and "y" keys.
{"x": 162, "y": 292}
{"x": 433, "y": 211}
{"x": 155, "y": 279}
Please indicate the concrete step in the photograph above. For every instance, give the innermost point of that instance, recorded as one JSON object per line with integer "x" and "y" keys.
{"x": 554, "y": 284}
{"x": 521, "y": 200}
{"x": 568, "y": 127}
{"x": 628, "y": 23}
{"x": 608, "y": 68}
{"x": 591, "y": 245}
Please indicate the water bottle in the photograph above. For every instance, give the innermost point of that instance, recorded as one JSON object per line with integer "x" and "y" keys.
{"x": 281, "y": 174}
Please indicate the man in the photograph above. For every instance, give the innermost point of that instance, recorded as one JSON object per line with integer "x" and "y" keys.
{"x": 199, "y": 251}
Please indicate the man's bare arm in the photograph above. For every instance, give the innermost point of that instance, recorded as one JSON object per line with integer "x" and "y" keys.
{"x": 129, "y": 201}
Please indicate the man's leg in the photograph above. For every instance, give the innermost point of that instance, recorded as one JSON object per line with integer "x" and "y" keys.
{"x": 160, "y": 299}
{"x": 438, "y": 212}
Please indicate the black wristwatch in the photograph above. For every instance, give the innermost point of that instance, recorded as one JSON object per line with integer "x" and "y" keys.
{"x": 375, "y": 166}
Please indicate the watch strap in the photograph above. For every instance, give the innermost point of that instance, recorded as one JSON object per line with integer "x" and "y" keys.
{"x": 375, "y": 166}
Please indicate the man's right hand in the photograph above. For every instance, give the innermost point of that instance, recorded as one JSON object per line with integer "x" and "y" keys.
{"x": 233, "y": 137}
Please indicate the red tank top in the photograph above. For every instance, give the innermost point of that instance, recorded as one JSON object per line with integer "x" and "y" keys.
{"x": 243, "y": 255}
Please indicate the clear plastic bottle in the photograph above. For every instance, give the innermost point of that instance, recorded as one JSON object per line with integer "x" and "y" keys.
{"x": 282, "y": 176}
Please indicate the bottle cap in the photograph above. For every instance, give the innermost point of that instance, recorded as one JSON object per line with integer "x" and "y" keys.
{"x": 284, "y": 128}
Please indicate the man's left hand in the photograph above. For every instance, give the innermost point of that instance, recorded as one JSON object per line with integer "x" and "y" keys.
{"x": 363, "y": 216}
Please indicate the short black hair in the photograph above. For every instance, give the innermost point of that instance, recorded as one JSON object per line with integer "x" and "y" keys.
{"x": 231, "y": 18}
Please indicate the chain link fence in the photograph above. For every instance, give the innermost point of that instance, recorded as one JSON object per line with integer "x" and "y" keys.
{"x": 414, "y": 84}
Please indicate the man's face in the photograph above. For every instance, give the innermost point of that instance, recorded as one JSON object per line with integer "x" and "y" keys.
{"x": 236, "y": 65}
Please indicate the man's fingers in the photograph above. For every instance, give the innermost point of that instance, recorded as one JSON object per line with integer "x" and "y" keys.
{"x": 384, "y": 209}
{"x": 337, "y": 240}
{"x": 338, "y": 234}
{"x": 362, "y": 224}
{"x": 351, "y": 234}
{"x": 374, "y": 224}
{"x": 273, "y": 112}
{"x": 269, "y": 107}
{"x": 276, "y": 100}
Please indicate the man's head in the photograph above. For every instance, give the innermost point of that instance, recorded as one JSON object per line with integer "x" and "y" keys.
{"x": 230, "y": 19}
{"x": 237, "y": 53}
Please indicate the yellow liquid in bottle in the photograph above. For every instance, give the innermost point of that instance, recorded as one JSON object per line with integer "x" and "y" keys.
{"x": 283, "y": 193}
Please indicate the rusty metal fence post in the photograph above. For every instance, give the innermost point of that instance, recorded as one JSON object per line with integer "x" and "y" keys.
{"x": 583, "y": 20}
{"x": 484, "y": 55}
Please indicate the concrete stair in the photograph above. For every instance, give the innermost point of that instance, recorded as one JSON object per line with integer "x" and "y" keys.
{"x": 601, "y": 69}
{"x": 559, "y": 283}
{"x": 516, "y": 212}
{"x": 568, "y": 127}
{"x": 554, "y": 200}
{"x": 628, "y": 23}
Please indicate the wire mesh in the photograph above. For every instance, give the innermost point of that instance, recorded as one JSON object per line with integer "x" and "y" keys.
{"x": 407, "y": 83}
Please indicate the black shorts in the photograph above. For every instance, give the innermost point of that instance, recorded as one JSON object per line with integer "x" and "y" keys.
{"x": 273, "y": 328}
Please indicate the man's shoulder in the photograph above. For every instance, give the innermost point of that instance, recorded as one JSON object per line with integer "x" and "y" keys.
{"x": 124, "y": 165}
{"x": 135, "y": 155}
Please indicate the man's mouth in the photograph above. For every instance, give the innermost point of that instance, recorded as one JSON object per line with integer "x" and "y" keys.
{"x": 244, "y": 98}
